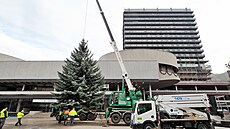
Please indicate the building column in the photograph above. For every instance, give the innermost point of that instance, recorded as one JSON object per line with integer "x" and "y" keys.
{"x": 20, "y": 100}
{"x": 196, "y": 88}
{"x": 216, "y": 88}
{"x": 176, "y": 88}
{"x": 19, "y": 105}
{"x": 10, "y": 105}
{"x": 150, "y": 91}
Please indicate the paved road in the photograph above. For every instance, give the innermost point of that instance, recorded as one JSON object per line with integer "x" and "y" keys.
{"x": 43, "y": 121}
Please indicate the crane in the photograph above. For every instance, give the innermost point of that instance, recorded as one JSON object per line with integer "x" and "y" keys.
{"x": 120, "y": 106}
{"x": 116, "y": 51}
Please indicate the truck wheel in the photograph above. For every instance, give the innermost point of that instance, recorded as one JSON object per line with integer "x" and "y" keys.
{"x": 202, "y": 126}
{"x": 115, "y": 118}
{"x": 148, "y": 126}
{"x": 127, "y": 118}
{"x": 91, "y": 116}
{"x": 82, "y": 116}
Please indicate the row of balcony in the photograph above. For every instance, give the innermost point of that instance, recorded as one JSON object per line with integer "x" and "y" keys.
{"x": 195, "y": 78}
{"x": 193, "y": 75}
{"x": 148, "y": 36}
{"x": 183, "y": 50}
{"x": 157, "y": 9}
{"x": 192, "y": 66}
{"x": 169, "y": 41}
{"x": 159, "y": 19}
{"x": 201, "y": 67}
{"x": 158, "y": 23}
{"x": 163, "y": 46}
{"x": 190, "y": 55}
{"x": 194, "y": 72}
{"x": 182, "y": 40}
{"x": 149, "y": 30}
{"x": 162, "y": 27}
{"x": 162, "y": 14}
{"x": 182, "y": 61}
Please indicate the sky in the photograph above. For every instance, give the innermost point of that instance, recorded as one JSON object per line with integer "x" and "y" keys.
{"x": 51, "y": 29}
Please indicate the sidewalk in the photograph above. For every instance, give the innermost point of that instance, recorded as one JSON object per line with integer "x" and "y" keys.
{"x": 43, "y": 121}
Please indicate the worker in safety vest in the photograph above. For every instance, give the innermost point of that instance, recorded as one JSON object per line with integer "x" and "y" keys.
{"x": 66, "y": 115}
{"x": 19, "y": 115}
{"x": 3, "y": 116}
{"x": 72, "y": 114}
{"x": 60, "y": 114}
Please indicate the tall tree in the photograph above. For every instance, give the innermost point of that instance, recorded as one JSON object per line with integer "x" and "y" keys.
{"x": 81, "y": 82}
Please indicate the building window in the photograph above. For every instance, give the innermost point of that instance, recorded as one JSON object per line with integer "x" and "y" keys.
{"x": 163, "y": 69}
{"x": 143, "y": 108}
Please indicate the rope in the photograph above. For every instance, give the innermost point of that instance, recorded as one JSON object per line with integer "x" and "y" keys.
{"x": 86, "y": 12}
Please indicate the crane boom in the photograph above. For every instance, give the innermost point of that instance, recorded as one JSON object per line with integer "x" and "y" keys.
{"x": 116, "y": 51}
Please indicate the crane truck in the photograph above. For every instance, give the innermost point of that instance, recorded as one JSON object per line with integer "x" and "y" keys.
{"x": 173, "y": 111}
{"x": 119, "y": 103}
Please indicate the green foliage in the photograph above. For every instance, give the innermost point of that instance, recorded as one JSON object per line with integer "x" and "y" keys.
{"x": 81, "y": 82}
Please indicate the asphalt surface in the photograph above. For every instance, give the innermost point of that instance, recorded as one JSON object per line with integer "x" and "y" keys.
{"x": 43, "y": 121}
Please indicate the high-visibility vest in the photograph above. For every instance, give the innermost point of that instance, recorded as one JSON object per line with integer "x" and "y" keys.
{"x": 20, "y": 114}
{"x": 60, "y": 113}
{"x": 2, "y": 114}
{"x": 72, "y": 113}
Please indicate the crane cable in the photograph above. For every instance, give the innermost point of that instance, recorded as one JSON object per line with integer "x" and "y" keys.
{"x": 86, "y": 12}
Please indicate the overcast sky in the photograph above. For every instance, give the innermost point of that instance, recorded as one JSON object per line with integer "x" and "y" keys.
{"x": 50, "y": 29}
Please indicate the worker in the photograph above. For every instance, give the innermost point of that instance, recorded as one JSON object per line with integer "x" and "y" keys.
{"x": 72, "y": 114}
{"x": 116, "y": 100}
{"x": 3, "y": 116}
{"x": 19, "y": 115}
{"x": 60, "y": 113}
{"x": 66, "y": 115}
{"x": 107, "y": 115}
{"x": 52, "y": 111}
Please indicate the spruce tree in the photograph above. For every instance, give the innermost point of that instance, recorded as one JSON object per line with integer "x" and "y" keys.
{"x": 81, "y": 82}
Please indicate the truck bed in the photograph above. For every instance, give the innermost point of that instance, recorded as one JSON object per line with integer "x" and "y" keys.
{"x": 186, "y": 119}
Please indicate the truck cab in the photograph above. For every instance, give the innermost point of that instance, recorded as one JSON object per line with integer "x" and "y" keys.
{"x": 144, "y": 115}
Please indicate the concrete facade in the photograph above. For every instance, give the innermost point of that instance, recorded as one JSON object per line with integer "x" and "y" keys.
{"x": 21, "y": 81}
{"x": 155, "y": 68}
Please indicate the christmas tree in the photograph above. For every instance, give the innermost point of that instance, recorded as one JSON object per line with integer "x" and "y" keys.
{"x": 81, "y": 82}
